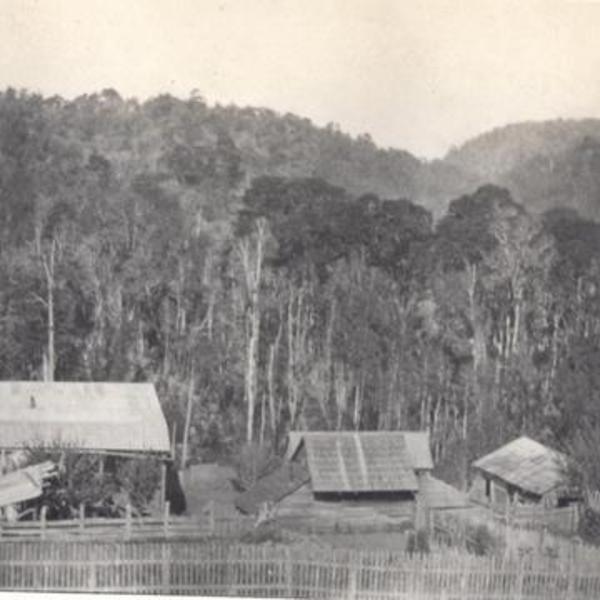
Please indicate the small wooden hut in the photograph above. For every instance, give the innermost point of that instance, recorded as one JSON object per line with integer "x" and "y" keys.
{"x": 522, "y": 471}
{"x": 345, "y": 480}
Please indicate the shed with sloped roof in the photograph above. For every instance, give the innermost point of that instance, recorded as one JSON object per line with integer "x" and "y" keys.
{"x": 522, "y": 470}
{"x": 345, "y": 478}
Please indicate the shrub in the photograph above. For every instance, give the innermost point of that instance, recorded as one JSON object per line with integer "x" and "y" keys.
{"x": 589, "y": 527}
{"x": 264, "y": 534}
{"x": 481, "y": 541}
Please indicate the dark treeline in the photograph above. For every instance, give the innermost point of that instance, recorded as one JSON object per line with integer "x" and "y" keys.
{"x": 215, "y": 252}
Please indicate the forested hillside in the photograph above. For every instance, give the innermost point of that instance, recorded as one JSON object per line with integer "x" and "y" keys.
{"x": 268, "y": 275}
{"x": 545, "y": 165}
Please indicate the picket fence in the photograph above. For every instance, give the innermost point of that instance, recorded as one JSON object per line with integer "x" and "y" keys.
{"x": 197, "y": 568}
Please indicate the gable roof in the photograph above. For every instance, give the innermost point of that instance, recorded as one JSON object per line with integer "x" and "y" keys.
{"x": 526, "y": 464}
{"x": 417, "y": 443}
{"x": 365, "y": 461}
{"x": 124, "y": 417}
{"x": 273, "y": 487}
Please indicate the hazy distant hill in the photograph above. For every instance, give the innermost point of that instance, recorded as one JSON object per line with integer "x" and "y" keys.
{"x": 544, "y": 165}
{"x": 218, "y": 150}
{"x": 500, "y": 150}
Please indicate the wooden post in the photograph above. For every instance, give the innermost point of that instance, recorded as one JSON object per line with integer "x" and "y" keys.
{"x": 165, "y": 568}
{"x": 128, "y": 521}
{"x": 211, "y": 517}
{"x": 43, "y": 522}
{"x": 173, "y": 438}
{"x": 353, "y": 575}
{"x": 91, "y": 579}
{"x": 289, "y": 572}
{"x": 163, "y": 483}
{"x": 81, "y": 516}
{"x": 166, "y": 511}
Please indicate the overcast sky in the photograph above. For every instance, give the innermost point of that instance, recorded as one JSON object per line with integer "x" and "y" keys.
{"x": 415, "y": 75}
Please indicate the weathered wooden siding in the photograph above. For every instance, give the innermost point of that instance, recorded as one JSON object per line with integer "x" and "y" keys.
{"x": 300, "y": 509}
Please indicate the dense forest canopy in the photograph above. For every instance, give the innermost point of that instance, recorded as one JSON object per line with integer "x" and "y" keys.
{"x": 267, "y": 275}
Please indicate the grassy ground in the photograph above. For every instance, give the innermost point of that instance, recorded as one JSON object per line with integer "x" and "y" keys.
{"x": 393, "y": 542}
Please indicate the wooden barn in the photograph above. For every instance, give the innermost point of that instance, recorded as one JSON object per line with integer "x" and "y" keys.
{"x": 104, "y": 419}
{"x": 348, "y": 480}
{"x": 522, "y": 471}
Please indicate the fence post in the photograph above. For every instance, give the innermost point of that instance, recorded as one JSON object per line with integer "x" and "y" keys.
{"x": 353, "y": 575}
{"x": 229, "y": 570}
{"x": 166, "y": 568}
{"x": 166, "y": 512}
{"x": 92, "y": 583}
{"x": 43, "y": 522}
{"x": 571, "y": 581}
{"x": 289, "y": 573}
{"x": 211, "y": 517}
{"x": 128, "y": 521}
{"x": 81, "y": 516}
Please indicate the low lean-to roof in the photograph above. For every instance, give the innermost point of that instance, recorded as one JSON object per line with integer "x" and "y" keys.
{"x": 273, "y": 487}
{"x": 526, "y": 464}
{"x": 439, "y": 494}
{"x": 119, "y": 417}
{"x": 366, "y": 461}
{"x": 24, "y": 484}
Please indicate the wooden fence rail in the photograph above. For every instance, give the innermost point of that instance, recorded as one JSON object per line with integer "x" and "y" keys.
{"x": 197, "y": 568}
{"x": 210, "y": 523}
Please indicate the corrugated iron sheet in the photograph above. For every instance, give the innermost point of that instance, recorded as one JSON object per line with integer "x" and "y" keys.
{"x": 359, "y": 462}
{"x": 87, "y": 416}
{"x": 23, "y": 484}
{"x": 526, "y": 464}
{"x": 417, "y": 444}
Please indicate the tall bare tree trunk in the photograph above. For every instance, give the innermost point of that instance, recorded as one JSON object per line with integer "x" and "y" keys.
{"x": 48, "y": 262}
{"x": 188, "y": 420}
{"x": 252, "y": 266}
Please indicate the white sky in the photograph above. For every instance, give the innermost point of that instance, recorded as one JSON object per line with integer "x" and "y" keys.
{"x": 415, "y": 75}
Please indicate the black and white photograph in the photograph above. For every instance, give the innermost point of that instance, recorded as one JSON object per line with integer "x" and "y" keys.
{"x": 300, "y": 299}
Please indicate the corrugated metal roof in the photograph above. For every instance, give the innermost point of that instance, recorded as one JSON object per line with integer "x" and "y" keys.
{"x": 360, "y": 461}
{"x": 273, "y": 487}
{"x": 82, "y": 415}
{"x": 417, "y": 444}
{"x": 526, "y": 464}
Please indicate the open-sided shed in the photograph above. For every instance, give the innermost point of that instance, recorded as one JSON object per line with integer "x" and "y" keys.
{"x": 119, "y": 419}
